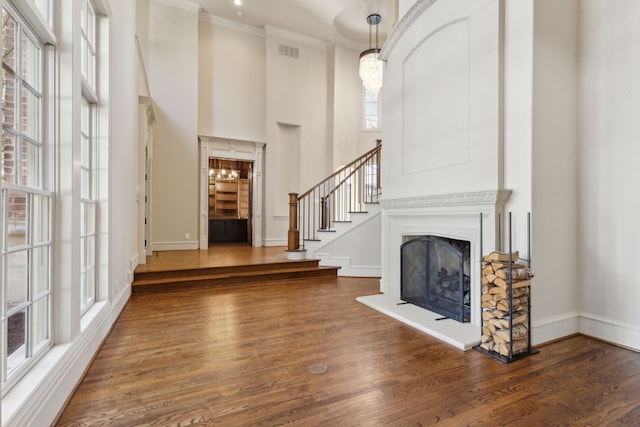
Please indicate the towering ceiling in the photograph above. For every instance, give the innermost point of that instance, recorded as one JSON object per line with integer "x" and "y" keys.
{"x": 343, "y": 21}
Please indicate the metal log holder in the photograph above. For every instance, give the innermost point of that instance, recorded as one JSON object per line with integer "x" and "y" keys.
{"x": 530, "y": 350}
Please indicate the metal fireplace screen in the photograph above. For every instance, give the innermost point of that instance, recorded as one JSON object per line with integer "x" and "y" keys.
{"x": 435, "y": 275}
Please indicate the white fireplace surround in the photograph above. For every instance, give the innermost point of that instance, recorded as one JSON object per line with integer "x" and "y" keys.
{"x": 454, "y": 216}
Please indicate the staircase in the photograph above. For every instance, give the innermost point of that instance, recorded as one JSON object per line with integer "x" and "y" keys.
{"x": 205, "y": 277}
{"x": 340, "y": 219}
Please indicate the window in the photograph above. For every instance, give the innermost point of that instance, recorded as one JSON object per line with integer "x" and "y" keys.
{"x": 89, "y": 156}
{"x": 88, "y": 43}
{"x": 26, "y": 204}
{"x": 372, "y": 110}
{"x": 88, "y": 204}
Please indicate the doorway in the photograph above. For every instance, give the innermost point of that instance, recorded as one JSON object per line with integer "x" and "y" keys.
{"x": 230, "y": 195}
{"x": 232, "y": 149}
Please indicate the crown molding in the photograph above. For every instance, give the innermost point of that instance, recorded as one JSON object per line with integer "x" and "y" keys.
{"x": 231, "y": 25}
{"x": 187, "y": 5}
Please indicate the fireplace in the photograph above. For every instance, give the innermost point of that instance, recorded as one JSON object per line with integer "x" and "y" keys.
{"x": 435, "y": 275}
{"x": 448, "y": 217}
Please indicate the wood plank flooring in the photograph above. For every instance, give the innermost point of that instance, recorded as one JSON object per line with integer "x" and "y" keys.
{"x": 219, "y": 255}
{"x": 240, "y": 355}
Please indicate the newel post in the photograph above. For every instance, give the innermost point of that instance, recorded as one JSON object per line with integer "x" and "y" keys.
{"x": 294, "y": 234}
{"x": 378, "y": 166}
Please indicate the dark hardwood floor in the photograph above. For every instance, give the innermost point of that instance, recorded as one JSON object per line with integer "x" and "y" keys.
{"x": 240, "y": 355}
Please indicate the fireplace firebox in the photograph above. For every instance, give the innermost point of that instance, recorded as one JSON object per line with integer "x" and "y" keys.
{"x": 435, "y": 275}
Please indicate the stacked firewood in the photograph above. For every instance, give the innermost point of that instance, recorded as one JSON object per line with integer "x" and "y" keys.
{"x": 505, "y": 317}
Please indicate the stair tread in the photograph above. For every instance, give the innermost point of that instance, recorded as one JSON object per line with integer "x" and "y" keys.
{"x": 228, "y": 275}
{"x": 220, "y": 269}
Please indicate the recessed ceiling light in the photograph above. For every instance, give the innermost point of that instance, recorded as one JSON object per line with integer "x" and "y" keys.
{"x": 237, "y": 2}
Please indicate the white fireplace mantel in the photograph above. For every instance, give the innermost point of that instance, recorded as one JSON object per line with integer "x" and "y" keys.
{"x": 495, "y": 198}
{"x": 469, "y": 216}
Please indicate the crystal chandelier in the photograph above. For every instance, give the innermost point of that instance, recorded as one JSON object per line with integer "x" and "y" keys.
{"x": 370, "y": 70}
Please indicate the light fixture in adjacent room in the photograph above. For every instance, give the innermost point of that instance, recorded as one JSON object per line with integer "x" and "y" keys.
{"x": 237, "y": 2}
{"x": 370, "y": 70}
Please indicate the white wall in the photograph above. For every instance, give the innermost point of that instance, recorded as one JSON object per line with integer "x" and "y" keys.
{"x": 124, "y": 159}
{"x": 308, "y": 109}
{"x": 349, "y": 141}
{"x": 142, "y": 28}
{"x": 608, "y": 152}
{"x": 173, "y": 80}
{"x": 442, "y": 118}
{"x": 297, "y": 94}
{"x": 232, "y": 91}
{"x": 556, "y": 288}
{"x": 518, "y": 114}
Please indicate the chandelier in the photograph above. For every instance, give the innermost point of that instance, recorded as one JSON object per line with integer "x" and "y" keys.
{"x": 370, "y": 70}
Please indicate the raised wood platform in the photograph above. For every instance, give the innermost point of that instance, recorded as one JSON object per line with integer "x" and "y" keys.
{"x": 222, "y": 265}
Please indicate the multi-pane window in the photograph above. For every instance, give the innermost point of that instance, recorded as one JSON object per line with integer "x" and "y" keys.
{"x": 88, "y": 204}
{"x": 371, "y": 110}
{"x": 88, "y": 43}
{"x": 25, "y": 311}
{"x": 88, "y": 167}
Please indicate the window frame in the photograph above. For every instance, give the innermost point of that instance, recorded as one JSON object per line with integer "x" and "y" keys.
{"x": 88, "y": 206}
{"x": 378, "y": 116}
{"x": 88, "y": 42}
{"x": 36, "y": 246}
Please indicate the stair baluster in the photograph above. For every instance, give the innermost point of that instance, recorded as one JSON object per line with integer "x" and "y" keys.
{"x": 345, "y": 191}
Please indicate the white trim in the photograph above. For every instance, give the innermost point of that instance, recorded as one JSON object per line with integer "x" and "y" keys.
{"x": 34, "y": 18}
{"x": 41, "y": 394}
{"x": 346, "y": 269}
{"x": 174, "y": 246}
{"x": 498, "y": 197}
{"x": 288, "y": 35}
{"x": 234, "y": 149}
{"x": 275, "y": 242}
{"x": 187, "y": 5}
{"x": 232, "y": 25}
{"x": 553, "y": 328}
{"x": 102, "y": 7}
{"x": 402, "y": 26}
{"x": 609, "y": 330}
{"x": 150, "y": 110}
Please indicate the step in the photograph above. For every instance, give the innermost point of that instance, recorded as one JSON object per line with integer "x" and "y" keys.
{"x": 198, "y": 281}
{"x": 178, "y": 274}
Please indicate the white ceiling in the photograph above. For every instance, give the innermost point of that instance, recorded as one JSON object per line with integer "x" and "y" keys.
{"x": 343, "y": 21}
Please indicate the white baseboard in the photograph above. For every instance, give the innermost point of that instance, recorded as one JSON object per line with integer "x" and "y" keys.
{"x": 175, "y": 246}
{"x": 609, "y": 330}
{"x": 39, "y": 397}
{"x": 346, "y": 269}
{"x": 553, "y": 328}
{"x": 275, "y": 242}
